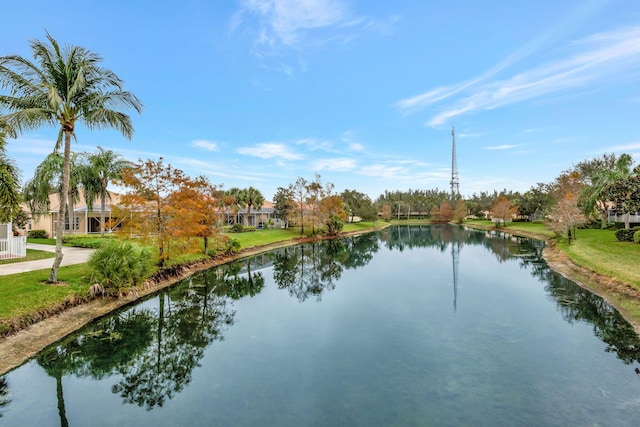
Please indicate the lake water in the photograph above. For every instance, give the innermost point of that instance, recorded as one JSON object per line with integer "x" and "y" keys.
{"x": 409, "y": 326}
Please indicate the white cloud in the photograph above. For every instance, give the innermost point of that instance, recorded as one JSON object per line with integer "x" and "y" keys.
{"x": 336, "y": 165}
{"x": 600, "y": 58}
{"x": 383, "y": 171}
{"x": 270, "y": 150}
{"x": 31, "y": 145}
{"x": 624, "y": 148}
{"x": 207, "y": 145}
{"x": 316, "y": 144}
{"x": 501, "y": 147}
{"x": 286, "y": 22}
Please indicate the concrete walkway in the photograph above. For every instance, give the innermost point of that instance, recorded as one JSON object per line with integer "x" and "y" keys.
{"x": 69, "y": 256}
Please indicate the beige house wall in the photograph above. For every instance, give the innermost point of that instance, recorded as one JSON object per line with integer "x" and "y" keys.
{"x": 47, "y": 221}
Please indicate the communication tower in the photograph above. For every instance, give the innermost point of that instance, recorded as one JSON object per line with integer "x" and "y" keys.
{"x": 455, "y": 181}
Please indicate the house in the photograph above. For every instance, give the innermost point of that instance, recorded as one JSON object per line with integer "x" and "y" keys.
{"x": 11, "y": 246}
{"x": 258, "y": 217}
{"x": 85, "y": 220}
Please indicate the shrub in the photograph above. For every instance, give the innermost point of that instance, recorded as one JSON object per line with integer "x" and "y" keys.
{"x": 118, "y": 266}
{"x": 91, "y": 241}
{"x": 38, "y": 234}
{"x": 334, "y": 225}
{"x": 636, "y": 237}
{"x": 231, "y": 246}
{"x": 237, "y": 228}
{"x": 212, "y": 252}
{"x": 625, "y": 235}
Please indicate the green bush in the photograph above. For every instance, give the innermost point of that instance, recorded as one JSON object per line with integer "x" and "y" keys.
{"x": 92, "y": 241}
{"x": 334, "y": 225}
{"x": 212, "y": 252}
{"x": 38, "y": 234}
{"x": 626, "y": 235}
{"x": 231, "y": 246}
{"x": 118, "y": 266}
{"x": 237, "y": 228}
{"x": 636, "y": 237}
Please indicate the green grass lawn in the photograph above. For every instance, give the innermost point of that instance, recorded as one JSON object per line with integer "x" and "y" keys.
{"x": 26, "y": 295}
{"x": 600, "y": 251}
{"x": 32, "y": 255}
{"x": 264, "y": 237}
{"x": 527, "y": 227}
{"x": 42, "y": 241}
{"x": 274, "y": 235}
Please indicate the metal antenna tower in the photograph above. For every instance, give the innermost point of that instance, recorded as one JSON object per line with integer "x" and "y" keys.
{"x": 455, "y": 181}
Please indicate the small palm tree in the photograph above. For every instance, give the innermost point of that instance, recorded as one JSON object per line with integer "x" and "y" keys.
{"x": 252, "y": 197}
{"x": 103, "y": 167}
{"x": 236, "y": 200}
{"x": 63, "y": 87}
{"x": 9, "y": 181}
{"x": 47, "y": 179}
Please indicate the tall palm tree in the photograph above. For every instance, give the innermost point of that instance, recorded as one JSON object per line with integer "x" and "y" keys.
{"x": 252, "y": 197}
{"x": 103, "y": 167}
{"x": 9, "y": 181}
{"x": 63, "y": 87}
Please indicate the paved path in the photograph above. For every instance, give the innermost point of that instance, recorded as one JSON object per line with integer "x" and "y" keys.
{"x": 70, "y": 256}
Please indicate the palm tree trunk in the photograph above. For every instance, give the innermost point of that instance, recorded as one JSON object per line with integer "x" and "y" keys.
{"x": 62, "y": 412}
{"x": 103, "y": 199}
{"x": 66, "y": 173}
{"x": 71, "y": 214}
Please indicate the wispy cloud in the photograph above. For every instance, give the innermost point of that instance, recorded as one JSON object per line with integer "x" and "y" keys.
{"x": 501, "y": 147}
{"x": 280, "y": 26}
{"x": 600, "y": 58}
{"x": 31, "y": 145}
{"x": 624, "y": 148}
{"x": 287, "y": 22}
{"x": 314, "y": 144}
{"x": 207, "y": 145}
{"x": 335, "y": 165}
{"x": 270, "y": 150}
{"x": 349, "y": 141}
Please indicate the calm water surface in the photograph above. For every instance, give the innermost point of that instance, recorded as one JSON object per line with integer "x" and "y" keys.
{"x": 411, "y": 326}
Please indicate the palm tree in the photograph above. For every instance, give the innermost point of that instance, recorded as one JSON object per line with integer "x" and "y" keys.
{"x": 252, "y": 197}
{"x": 235, "y": 200}
{"x": 594, "y": 196}
{"x": 9, "y": 181}
{"x": 103, "y": 167}
{"x": 63, "y": 87}
{"x": 47, "y": 179}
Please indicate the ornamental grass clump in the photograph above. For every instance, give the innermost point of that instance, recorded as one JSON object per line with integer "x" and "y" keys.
{"x": 118, "y": 267}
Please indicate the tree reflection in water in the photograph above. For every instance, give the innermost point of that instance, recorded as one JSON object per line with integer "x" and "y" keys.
{"x": 4, "y": 393}
{"x": 153, "y": 351}
{"x": 313, "y": 268}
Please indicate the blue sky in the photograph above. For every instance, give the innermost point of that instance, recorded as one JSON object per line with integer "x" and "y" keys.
{"x": 261, "y": 92}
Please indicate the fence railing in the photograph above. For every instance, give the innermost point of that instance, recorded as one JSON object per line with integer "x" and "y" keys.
{"x": 613, "y": 217}
{"x": 13, "y": 247}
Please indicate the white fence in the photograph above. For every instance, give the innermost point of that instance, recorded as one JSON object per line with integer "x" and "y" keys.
{"x": 613, "y": 217}
{"x": 13, "y": 247}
